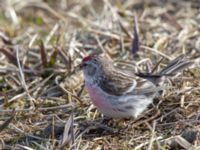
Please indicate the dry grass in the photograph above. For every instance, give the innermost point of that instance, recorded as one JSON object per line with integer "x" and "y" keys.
{"x": 43, "y": 42}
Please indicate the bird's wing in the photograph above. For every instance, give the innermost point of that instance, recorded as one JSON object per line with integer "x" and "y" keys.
{"x": 119, "y": 84}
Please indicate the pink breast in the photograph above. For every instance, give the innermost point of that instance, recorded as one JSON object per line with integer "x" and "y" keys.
{"x": 97, "y": 97}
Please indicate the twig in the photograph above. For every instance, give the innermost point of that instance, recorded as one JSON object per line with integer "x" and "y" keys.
{"x": 156, "y": 51}
{"x": 38, "y": 109}
{"x": 23, "y": 78}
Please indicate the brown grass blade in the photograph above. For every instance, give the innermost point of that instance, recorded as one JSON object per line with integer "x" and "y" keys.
{"x": 65, "y": 57}
{"x": 6, "y": 123}
{"x": 43, "y": 54}
{"x": 5, "y": 39}
{"x": 11, "y": 57}
{"x": 68, "y": 134}
{"x": 136, "y": 42}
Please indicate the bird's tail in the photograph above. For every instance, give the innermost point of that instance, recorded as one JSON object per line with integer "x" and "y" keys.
{"x": 177, "y": 65}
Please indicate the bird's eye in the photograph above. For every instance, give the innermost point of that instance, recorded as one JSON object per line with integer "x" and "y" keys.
{"x": 84, "y": 64}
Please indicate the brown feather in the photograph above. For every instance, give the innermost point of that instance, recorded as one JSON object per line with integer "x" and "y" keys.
{"x": 115, "y": 82}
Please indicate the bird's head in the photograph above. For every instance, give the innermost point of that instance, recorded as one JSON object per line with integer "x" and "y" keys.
{"x": 90, "y": 65}
{"x": 94, "y": 66}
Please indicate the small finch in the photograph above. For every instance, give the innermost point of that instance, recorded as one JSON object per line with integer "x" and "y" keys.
{"x": 118, "y": 94}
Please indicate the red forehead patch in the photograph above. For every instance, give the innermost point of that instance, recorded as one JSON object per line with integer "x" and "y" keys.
{"x": 87, "y": 58}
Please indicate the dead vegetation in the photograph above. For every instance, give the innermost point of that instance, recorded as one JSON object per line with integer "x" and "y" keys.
{"x": 43, "y": 104}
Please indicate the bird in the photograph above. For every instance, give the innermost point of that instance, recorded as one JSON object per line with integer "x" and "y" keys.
{"x": 117, "y": 93}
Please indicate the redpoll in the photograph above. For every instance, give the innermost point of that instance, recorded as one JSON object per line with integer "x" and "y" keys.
{"x": 118, "y": 94}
